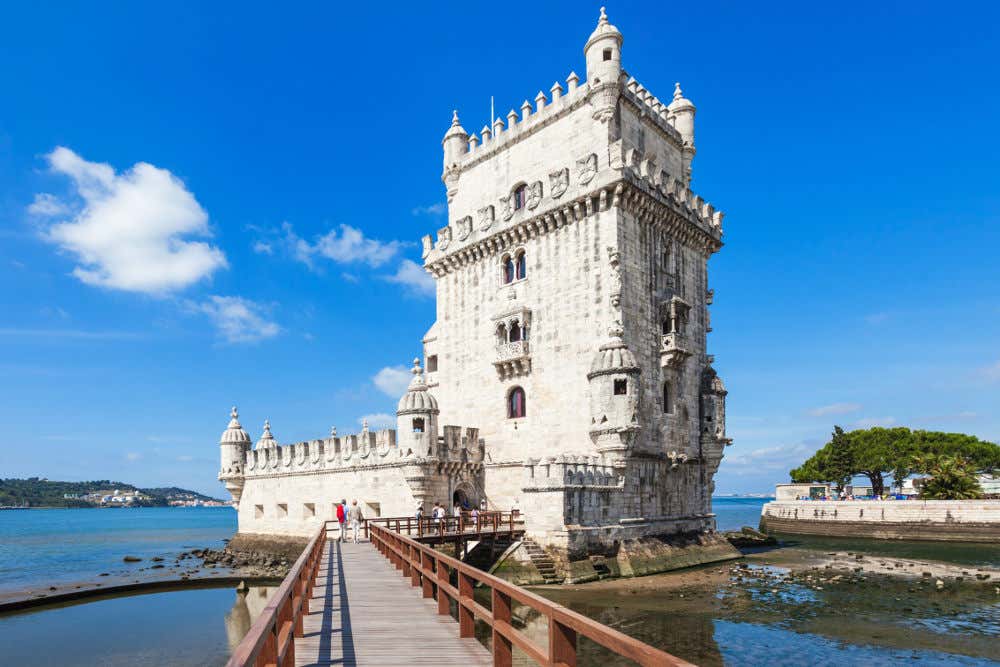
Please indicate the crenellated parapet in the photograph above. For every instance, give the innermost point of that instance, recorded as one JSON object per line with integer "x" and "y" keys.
{"x": 367, "y": 449}
{"x": 557, "y": 473}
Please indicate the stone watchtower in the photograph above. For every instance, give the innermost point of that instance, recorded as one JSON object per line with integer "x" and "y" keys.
{"x": 572, "y": 309}
{"x": 233, "y": 447}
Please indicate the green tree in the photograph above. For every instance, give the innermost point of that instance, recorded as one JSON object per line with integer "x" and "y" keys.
{"x": 880, "y": 452}
{"x": 952, "y": 477}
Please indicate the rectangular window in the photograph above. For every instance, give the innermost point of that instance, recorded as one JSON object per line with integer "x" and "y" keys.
{"x": 282, "y": 510}
{"x": 432, "y": 363}
{"x": 621, "y": 387}
{"x": 308, "y": 510}
{"x": 258, "y": 511}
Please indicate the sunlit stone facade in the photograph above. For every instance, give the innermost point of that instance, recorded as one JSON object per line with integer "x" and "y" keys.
{"x": 570, "y": 337}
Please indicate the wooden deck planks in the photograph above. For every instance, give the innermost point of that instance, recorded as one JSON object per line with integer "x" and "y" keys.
{"x": 365, "y": 613}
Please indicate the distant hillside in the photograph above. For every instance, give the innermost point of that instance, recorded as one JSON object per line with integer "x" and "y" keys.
{"x": 40, "y": 492}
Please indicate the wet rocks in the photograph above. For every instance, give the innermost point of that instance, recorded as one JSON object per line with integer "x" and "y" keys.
{"x": 132, "y": 559}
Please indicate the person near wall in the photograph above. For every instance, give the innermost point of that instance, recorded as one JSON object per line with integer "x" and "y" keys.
{"x": 355, "y": 517}
{"x": 342, "y": 518}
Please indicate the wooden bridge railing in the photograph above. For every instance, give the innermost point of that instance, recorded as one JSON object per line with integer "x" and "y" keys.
{"x": 430, "y": 570}
{"x": 465, "y": 524}
{"x": 271, "y": 639}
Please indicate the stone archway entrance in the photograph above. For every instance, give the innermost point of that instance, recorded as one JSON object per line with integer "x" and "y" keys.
{"x": 463, "y": 498}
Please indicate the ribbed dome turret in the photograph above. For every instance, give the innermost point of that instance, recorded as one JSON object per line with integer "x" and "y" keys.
{"x": 603, "y": 30}
{"x": 613, "y": 356}
{"x": 417, "y": 398}
{"x": 680, "y": 103}
{"x": 267, "y": 440}
{"x": 456, "y": 128}
{"x": 234, "y": 434}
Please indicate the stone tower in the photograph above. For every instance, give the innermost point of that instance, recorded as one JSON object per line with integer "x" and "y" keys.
{"x": 233, "y": 447}
{"x": 572, "y": 309}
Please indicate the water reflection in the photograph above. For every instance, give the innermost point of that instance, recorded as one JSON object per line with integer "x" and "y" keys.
{"x": 249, "y": 603}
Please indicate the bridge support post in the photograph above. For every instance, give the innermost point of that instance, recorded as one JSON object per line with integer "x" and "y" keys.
{"x": 503, "y": 650}
{"x": 562, "y": 644}
{"x": 442, "y": 596}
{"x": 466, "y": 619}
{"x": 426, "y": 564}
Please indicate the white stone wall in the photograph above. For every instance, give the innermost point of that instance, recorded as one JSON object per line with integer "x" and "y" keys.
{"x": 880, "y": 511}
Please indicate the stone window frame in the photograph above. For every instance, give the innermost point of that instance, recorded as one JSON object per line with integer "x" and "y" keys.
{"x": 668, "y": 391}
{"x": 522, "y": 409}
{"x": 519, "y": 196}
{"x": 518, "y": 258}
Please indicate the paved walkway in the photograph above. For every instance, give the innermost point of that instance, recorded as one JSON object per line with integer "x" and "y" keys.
{"x": 365, "y": 613}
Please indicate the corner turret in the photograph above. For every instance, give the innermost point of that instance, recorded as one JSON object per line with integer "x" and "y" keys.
{"x": 417, "y": 416}
{"x": 604, "y": 53}
{"x": 456, "y": 144}
{"x": 681, "y": 115}
{"x": 614, "y": 397}
{"x": 233, "y": 445}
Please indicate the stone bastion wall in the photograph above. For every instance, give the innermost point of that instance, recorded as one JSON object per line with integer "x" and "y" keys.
{"x": 937, "y": 520}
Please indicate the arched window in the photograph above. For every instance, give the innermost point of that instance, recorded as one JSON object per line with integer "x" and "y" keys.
{"x": 502, "y": 333}
{"x": 521, "y": 268}
{"x": 516, "y": 405}
{"x": 515, "y": 332}
{"x": 418, "y": 425}
{"x": 621, "y": 387}
{"x": 666, "y": 398}
{"x": 507, "y": 273}
{"x": 666, "y": 326}
{"x": 520, "y": 196}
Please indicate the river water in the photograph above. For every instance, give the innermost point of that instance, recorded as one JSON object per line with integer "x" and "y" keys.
{"x": 702, "y": 615}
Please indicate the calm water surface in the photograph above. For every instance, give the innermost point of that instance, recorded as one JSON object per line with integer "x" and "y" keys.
{"x": 45, "y": 547}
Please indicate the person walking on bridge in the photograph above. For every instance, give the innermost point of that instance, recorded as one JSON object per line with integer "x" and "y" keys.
{"x": 342, "y": 518}
{"x": 355, "y": 517}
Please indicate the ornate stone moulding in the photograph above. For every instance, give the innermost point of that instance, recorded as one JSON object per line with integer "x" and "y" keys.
{"x": 648, "y": 206}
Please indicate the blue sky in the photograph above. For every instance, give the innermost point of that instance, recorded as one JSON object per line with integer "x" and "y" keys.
{"x": 285, "y": 161}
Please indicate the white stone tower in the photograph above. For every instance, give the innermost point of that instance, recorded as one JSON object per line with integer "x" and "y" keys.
{"x": 571, "y": 222}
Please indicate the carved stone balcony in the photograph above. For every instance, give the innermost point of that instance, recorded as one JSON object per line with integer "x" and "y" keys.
{"x": 512, "y": 359}
{"x": 674, "y": 350}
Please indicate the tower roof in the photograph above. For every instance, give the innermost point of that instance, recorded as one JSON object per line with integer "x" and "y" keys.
{"x": 603, "y": 31}
{"x": 680, "y": 102}
{"x": 267, "y": 440}
{"x": 234, "y": 434}
{"x": 613, "y": 356}
{"x": 456, "y": 128}
{"x": 417, "y": 398}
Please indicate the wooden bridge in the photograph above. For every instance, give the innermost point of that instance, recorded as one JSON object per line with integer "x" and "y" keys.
{"x": 353, "y": 605}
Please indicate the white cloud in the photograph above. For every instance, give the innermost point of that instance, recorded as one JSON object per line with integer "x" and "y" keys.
{"x": 47, "y": 206}
{"x": 347, "y": 246}
{"x": 413, "y": 277}
{"x": 238, "y": 320}
{"x": 129, "y": 233}
{"x": 133, "y": 456}
{"x": 379, "y": 420}
{"x": 262, "y": 248}
{"x": 875, "y": 421}
{"x": 834, "y": 409}
{"x": 184, "y": 458}
{"x": 990, "y": 373}
{"x": 434, "y": 209}
{"x": 393, "y": 380}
